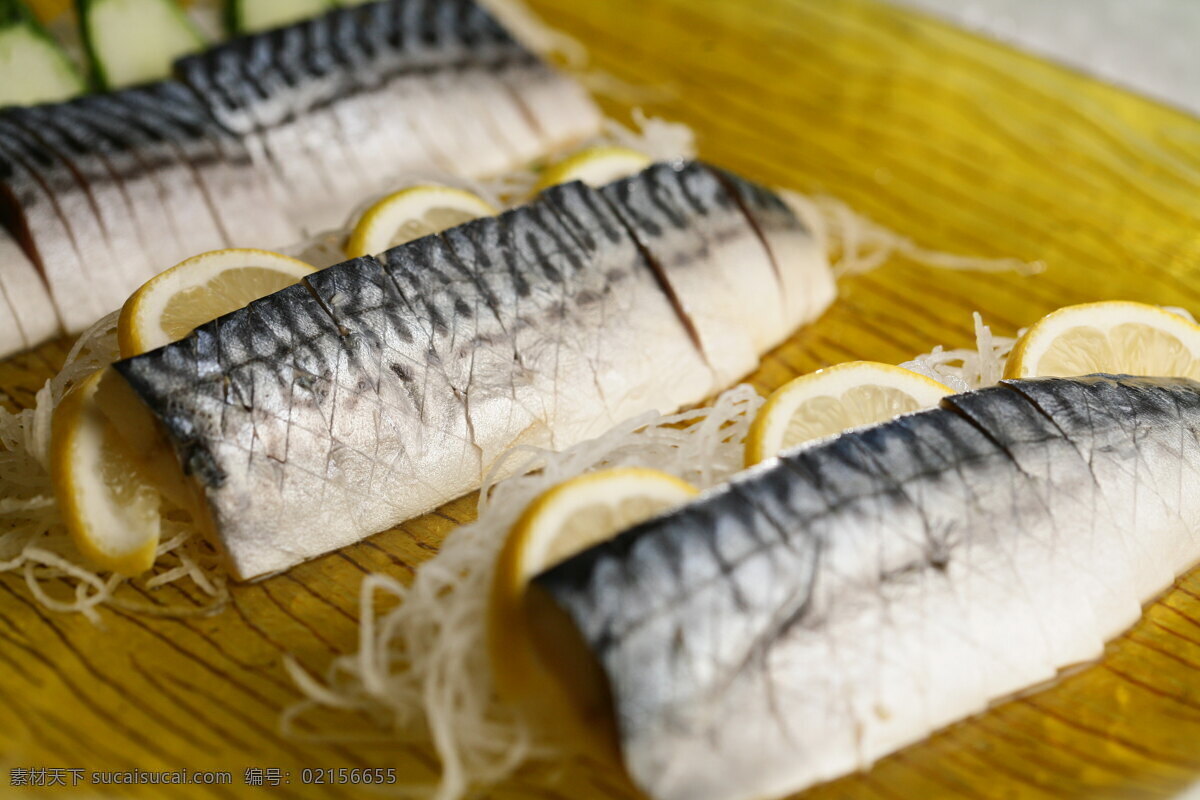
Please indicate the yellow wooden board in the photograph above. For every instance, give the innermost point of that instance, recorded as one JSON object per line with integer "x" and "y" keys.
{"x": 961, "y": 144}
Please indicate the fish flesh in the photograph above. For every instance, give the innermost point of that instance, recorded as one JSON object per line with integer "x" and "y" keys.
{"x": 852, "y": 596}
{"x": 398, "y": 77}
{"x": 35, "y": 218}
{"x": 236, "y": 194}
{"x": 268, "y": 138}
{"x": 109, "y": 142}
{"x": 110, "y": 204}
{"x": 27, "y": 310}
{"x": 192, "y": 222}
{"x": 383, "y": 387}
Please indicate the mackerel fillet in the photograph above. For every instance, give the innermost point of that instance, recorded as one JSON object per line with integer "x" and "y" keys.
{"x": 852, "y": 596}
{"x": 265, "y": 140}
{"x": 383, "y": 387}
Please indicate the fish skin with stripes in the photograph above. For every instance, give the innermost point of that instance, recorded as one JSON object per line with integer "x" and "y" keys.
{"x": 268, "y": 138}
{"x": 383, "y": 387}
{"x": 856, "y": 594}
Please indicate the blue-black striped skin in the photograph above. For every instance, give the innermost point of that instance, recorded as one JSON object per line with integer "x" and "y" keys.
{"x": 29, "y": 210}
{"x": 22, "y": 190}
{"x": 138, "y": 163}
{"x": 391, "y": 384}
{"x": 318, "y": 116}
{"x": 729, "y": 629}
{"x": 153, "y": 156}
{"x": 161, "y": 140}
{"x": 423, "y": 289}
{"x": 70, "y": 144}
{"x": 171, "y": 112}
{"x": 394, "y": 37}
{"x": 71, "y": 204}
{"x": 37, "y": 156}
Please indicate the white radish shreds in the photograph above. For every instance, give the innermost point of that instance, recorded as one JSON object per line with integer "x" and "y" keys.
{"x": 658, "y": 138}
{"x": 539, "y": 37}
{"x": 857, "y": 244}
{"x": 854, "y": 243}
{"x": 966, "y": 369}
{"x": 422, "y": 667}
{"x": 559, "y": 47}
{"x": 33, "y": 541}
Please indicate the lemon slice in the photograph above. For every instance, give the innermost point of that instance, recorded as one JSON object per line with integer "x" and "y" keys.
{"x": 1113, "y": 337}
{"x": 105, "y": 492}
{"x": 171, "y": 305}
{"x": 561, "y": 522}
{"x": 412, "y": 213}
{"x": 834, "y": 399}
{"x": 584, "y": 511}
{"x": 595, "y": 166}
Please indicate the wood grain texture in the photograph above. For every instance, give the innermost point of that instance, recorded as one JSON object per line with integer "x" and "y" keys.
{"x": 961, "y": 144}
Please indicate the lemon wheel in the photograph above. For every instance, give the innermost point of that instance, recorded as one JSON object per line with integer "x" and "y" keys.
{"x": 172, "y": 304}
{"x": 595, "y": 166}
{"x": 412, "y": 213}
{"x": 835, "y": 399}
{"x": 105, "y": 492}
{"x": 1112, "y": 337}
{"x": 554, "y": 687}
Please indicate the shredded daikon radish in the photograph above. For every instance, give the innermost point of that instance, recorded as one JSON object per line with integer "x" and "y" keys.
{"x": 555, "y": 45}
{"x": 33, "y": 540}
{"x": 856, "y": 244}
{"x": 525, "y": 26}
{"x": 658, "y": 138}
{"x": 422, "y": 666}
{"x": 965, "y": 369}
{"x": 422, "y": 669}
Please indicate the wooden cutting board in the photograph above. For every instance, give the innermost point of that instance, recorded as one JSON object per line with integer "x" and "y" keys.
{"x": 963, "y": 145}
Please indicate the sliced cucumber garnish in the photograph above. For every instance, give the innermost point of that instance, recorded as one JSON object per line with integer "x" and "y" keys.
{"x": 250, "y": 16}
{"x": 33, "y": 68}
{"x": 135, "y": 41}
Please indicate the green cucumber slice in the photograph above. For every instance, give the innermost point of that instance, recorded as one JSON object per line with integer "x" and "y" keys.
{"x": 251, "y": 16}
{"x": 33, "y": 67}
{"x": 135, "y": 41}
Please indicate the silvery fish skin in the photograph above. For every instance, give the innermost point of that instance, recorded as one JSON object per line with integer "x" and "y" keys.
{"x": 660, "y": 206}
{"x": 259, "y": 109}
{"x": 268, "y": 138}
{"x": 562, "y": 113}
{"x": 236, "y": 193}
{"x": 162, "y": 194}
{"x": 225, "y": 183}
{"x": 31, "y": 313}
{"x": 161, "y": 157}
{"x": 111, "y": 141}
{"x": 75, "y": 206}
{"x": 367, "y": 111}
{"x": 402, "y": 77}
{"x": 38, "y": 224}
{"x": 852, "y": 596}
{"x": 68, "y": 143}
{"x": 382, "y": 388}
{"x": 12, "y": 337}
